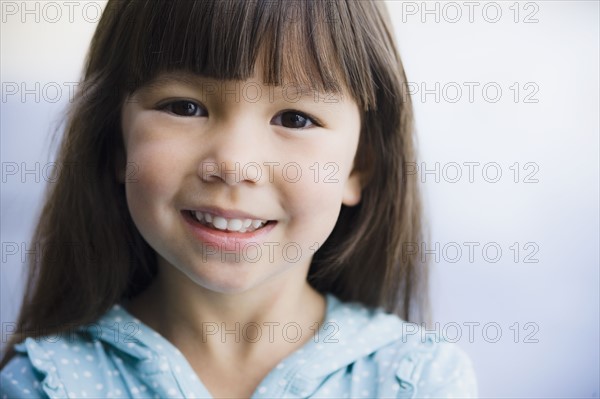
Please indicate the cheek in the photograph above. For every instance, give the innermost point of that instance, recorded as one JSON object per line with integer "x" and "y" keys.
{"x": 153, "y": 186}
{"x": 155, "y": 157}
{"x": 314, "y": 206}
{"x": 317, "y": 196}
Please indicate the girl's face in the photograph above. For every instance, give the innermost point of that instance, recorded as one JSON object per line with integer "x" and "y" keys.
{"x": 237, "y": 183}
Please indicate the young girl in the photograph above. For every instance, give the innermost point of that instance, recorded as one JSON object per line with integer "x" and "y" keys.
{"x": 235, "y": 217}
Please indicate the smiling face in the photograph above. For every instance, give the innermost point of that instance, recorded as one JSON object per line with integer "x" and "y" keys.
{"x": 238, "y": 183}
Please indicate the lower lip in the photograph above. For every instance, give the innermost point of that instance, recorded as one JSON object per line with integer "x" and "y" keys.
{"x": 225, "y": 240}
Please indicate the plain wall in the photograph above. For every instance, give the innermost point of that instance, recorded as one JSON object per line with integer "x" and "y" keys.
{"x": 525, "y": 302}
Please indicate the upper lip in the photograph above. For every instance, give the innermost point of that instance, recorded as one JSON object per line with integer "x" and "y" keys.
{"x": 226, "y": 213}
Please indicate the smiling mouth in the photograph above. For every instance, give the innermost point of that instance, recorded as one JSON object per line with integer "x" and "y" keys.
{"x": 234, "y": 225}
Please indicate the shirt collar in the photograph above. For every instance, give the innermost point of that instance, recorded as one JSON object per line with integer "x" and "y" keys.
{"x": 350, "y": 332}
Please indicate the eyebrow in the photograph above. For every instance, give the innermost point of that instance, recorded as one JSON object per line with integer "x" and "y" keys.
{"x": 292, "y": 91}
{"x": 164, "y": 80}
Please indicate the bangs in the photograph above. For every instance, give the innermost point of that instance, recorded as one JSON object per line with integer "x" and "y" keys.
{"x": 315, "y": 44}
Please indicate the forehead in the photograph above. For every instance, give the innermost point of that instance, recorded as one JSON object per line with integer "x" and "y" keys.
{"x": 254, "y": 86}
{"x": 311, "y": 46}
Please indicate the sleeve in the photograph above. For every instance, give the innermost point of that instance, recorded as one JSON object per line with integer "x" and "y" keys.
{"x": 448, "y": 373}
{"x": 18, "y": 379}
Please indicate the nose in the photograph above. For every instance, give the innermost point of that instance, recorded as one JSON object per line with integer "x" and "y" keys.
{"x": 233, "y": 153}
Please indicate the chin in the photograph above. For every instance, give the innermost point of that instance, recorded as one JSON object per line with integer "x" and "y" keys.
{"x": 225, "y": 278}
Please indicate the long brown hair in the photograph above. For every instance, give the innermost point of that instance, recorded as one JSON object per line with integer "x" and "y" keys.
{"x": 93, "y": 254}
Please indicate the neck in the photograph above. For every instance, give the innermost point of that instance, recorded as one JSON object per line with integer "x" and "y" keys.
{"x": 242, "y": 325}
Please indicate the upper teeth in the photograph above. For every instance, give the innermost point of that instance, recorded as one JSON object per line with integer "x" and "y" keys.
{"x": 218, "y": 222}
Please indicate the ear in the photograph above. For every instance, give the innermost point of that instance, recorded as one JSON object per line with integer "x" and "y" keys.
{"x": 360, "y": 176}
{"x": 352, "y": 189}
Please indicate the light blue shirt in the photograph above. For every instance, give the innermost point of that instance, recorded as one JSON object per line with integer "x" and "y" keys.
{"x": 358, "y": 353}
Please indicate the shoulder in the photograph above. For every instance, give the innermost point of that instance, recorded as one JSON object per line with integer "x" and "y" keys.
{"x": 407, "y": 359}
{"x": 423, "y": 364}
{"x": 52, "y": 366}
{"x": 19, "y": 379}
{"x": 432, "y": 367}
{"x": 83, "y": 361}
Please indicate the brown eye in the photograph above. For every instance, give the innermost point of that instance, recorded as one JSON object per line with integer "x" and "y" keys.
{"x": 184, "y": 108}
{"x": 293, "y": 120}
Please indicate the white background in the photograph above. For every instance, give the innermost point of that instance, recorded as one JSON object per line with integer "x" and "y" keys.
{"x": 553, "y": 59}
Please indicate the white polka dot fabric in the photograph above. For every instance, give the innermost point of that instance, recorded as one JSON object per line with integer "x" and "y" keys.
{"x": 358, "y": 353}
